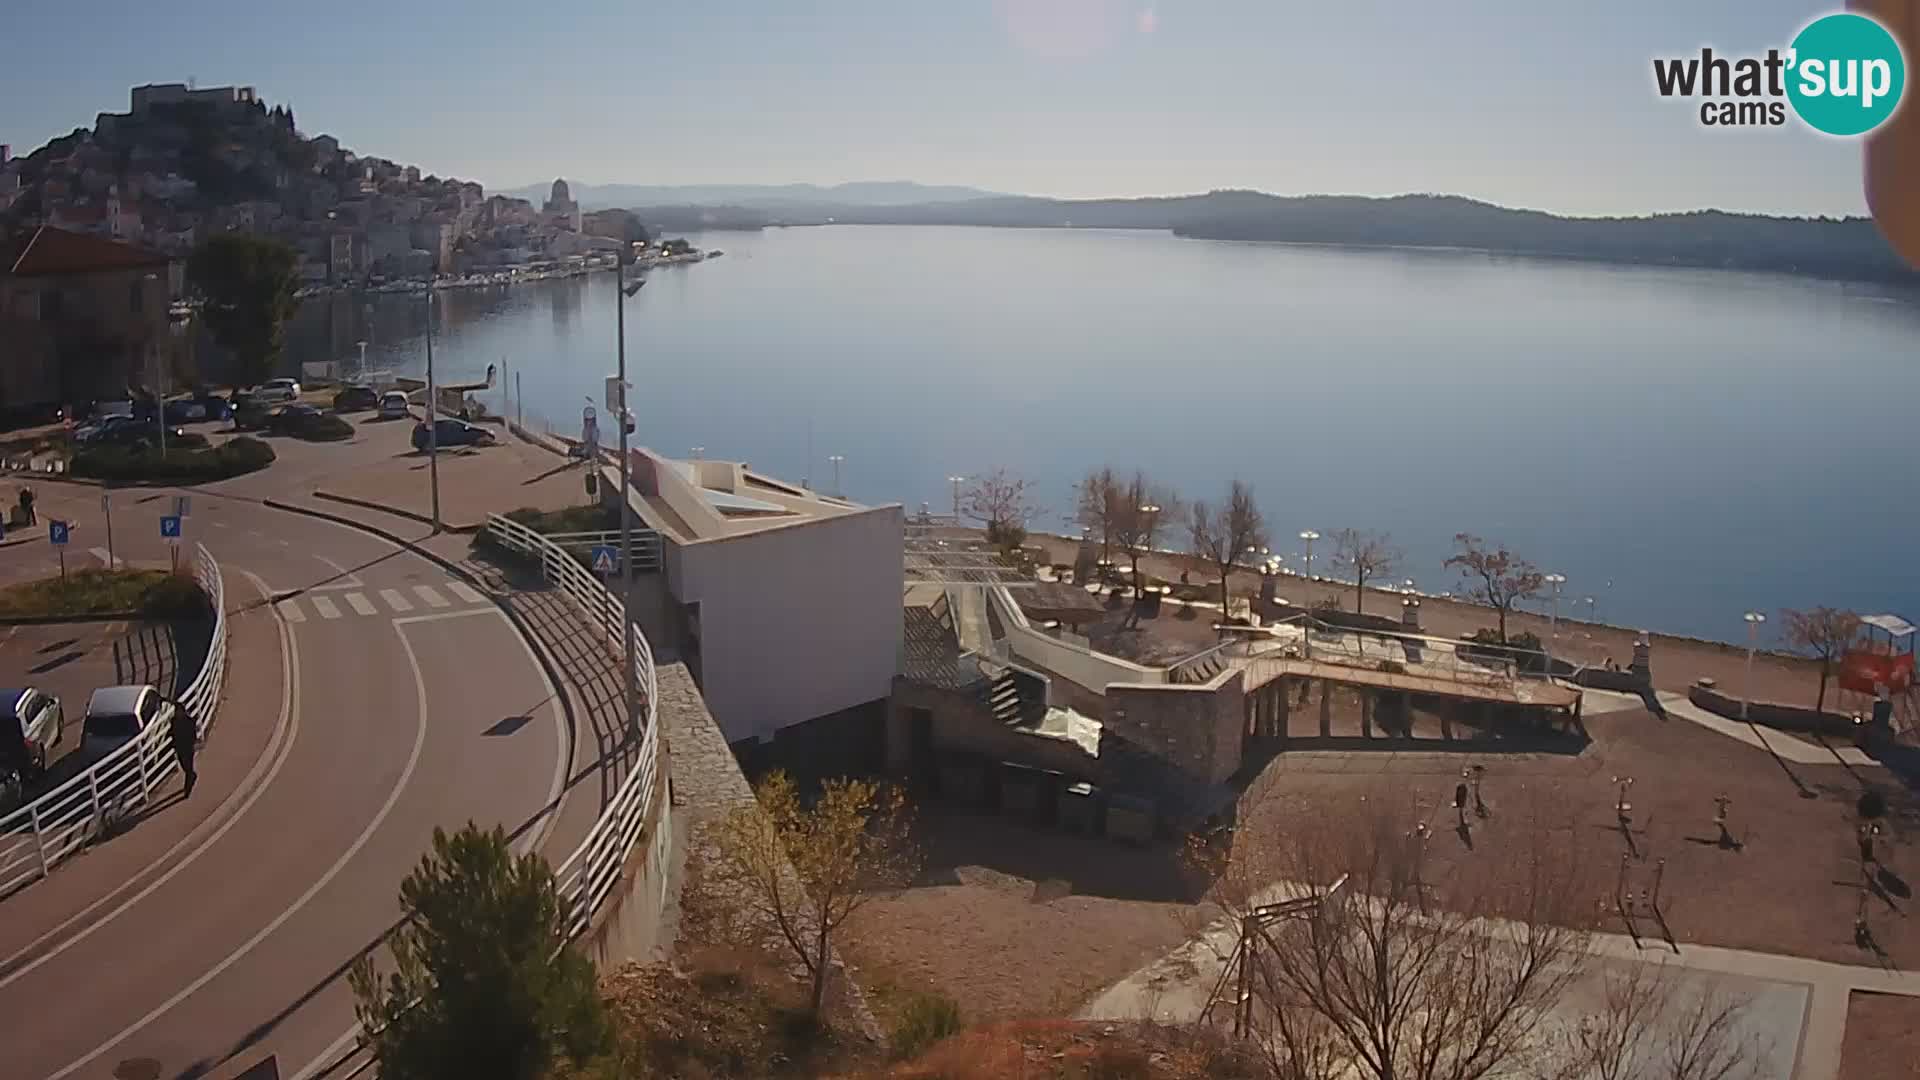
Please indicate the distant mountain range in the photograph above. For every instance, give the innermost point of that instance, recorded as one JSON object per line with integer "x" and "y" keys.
{"x": 1837, "y": 248}
{"x": 762, "y": 197}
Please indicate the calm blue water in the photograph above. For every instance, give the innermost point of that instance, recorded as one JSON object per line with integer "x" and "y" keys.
{"x": 1682, "y": 445}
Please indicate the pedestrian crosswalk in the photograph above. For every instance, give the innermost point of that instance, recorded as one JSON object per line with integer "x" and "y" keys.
{"x": 326, "y": 606}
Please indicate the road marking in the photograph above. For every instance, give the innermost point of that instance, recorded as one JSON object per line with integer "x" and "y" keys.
{"x": 466, "y": 592}
{"x": 347, "y": 577}
{"x": 534, "y": 840}
{"x": 433, "y": 599}
{"x": 290, "y": 610}
{"x": 284, "y": 734}
{"x": 106, "y": 559}
{"x": 325, "y": 607}
{"x": 360, "y": 604}
{"x": 436, "y": 617}
{"x": 395, "y": 600}
{"x": 393, "y": 798}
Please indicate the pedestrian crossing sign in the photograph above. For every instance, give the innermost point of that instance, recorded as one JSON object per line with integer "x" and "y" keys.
{"x": 605, "y": 561}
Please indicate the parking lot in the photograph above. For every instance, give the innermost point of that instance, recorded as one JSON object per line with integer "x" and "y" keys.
{"x": 71, "y": 660}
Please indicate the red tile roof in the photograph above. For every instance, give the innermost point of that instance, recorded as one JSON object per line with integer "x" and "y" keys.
{"x": 57, "y": 251}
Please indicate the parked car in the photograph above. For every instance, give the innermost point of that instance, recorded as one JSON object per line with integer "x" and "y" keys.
{"x": 194, "y": 410}
{"x": 126, "y": 431}
{"x": 31, "y": 723}
{"x": 250, "y": 413}
{"x": 394, "y": 405}
{"x": 278, "y": 390}
{"x": 289, "y": 419}
{"x": 450, "y": 432}
{"x": 115, "y": 717}
{"x": 355, "y": 399}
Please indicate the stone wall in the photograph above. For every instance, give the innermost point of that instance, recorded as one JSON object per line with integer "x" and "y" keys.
{"x": 1196, "y": 728}
{"x": 1772, "y": 714}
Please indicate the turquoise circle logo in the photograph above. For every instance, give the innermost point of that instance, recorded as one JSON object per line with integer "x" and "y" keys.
{"x": 1848, "y": 74}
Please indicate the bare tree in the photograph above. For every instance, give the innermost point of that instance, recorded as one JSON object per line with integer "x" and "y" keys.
{"x": 1495, "y": 576}
{"x": 1097, "y": 501}
{"x": 1140, "y": 512}
{"x": 1825, "y": 634}
{"x": 1364, "y": 555}
{"x": 1222, "y": 535}
{"x": 801, "y": 870}
{"x": 1650, "y": 1025}
{"x": 1002, "y": 501}
{"x": 1421, "y": 972}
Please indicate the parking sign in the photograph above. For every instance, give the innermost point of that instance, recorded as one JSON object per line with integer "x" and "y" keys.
{"x": 57, "y": 533}
{"x": 170, "y": 527}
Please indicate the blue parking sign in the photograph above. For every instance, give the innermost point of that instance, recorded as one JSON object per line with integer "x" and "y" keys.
{"x": 170, "y": 527}
{"x": 605, "y": 559}
{"x": 57, "y": 533}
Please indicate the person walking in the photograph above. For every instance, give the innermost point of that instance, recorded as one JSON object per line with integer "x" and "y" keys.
{"x": 185, "y": 742}
{"x": 26, "y": 506}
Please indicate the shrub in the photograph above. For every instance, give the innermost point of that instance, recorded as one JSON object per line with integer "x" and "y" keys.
{"x": 121, "y": 464}
{"x": 322, "y": 427}
{"x": 154, "y": 593}
{"x": 1524, "y": 649}
{"x": 924, "y": 1020}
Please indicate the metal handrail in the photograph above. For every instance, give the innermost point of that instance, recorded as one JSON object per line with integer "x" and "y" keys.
{"x": 35, "y": 837}
{"x": 587, "y": 876}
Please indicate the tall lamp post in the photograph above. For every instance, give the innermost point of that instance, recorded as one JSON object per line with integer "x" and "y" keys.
{"x": 433, "y": 419}
{"x": 623, "y": 292}
{"x": 1754, "y": 619}
{"x": 1554, "y": 581}
{"x": 956, "y": 481}
{"x": 835, "y": 460}
{"x": 1308, "y": 538}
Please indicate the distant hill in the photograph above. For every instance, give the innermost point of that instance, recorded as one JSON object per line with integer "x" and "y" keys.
{"x": 762, "y": 197}
{"x": 1840, "y": 248}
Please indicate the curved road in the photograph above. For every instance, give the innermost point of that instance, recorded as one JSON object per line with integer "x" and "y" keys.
{"x": 410, "y": 702}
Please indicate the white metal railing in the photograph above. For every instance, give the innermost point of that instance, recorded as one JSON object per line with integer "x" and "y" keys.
{"x": 588, "y": 875}
{"x": 35, "y": 837}
{"x": 646, "y": 544}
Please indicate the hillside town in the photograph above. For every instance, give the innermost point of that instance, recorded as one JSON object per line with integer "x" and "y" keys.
{"x": 183, "y": 163}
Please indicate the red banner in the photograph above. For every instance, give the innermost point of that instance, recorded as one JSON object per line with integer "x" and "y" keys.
{"x": 1866, "y": 672}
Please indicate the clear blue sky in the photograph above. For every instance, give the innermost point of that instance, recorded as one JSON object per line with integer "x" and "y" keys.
{"x": 1545, "y": 105}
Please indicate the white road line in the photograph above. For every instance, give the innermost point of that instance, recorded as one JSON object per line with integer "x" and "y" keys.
{"x": 289, "y": 610}
{"x": 325, "y": 607}
{"x": 395, "y": 600}
{"x": 105, "y": 558}
{"x": 393, "y": 797}
{"x": 360, "y": 604}
{"x": 347, "y": 577}
{"x": 279, "y": 748}
{"x": 433, "y": 599}
{"x": 451, "y": 615}
{"x": 466, "y": 592}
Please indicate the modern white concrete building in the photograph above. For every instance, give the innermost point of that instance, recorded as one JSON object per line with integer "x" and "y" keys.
{"x": 783, "y": 602}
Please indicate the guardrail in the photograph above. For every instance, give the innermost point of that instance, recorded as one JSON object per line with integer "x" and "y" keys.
{"x": 35, "y": 837}
{"x": 646, "y": 544}
{"x": 588, "y": 875}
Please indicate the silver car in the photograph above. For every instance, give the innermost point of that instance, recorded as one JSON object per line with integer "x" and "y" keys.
{"x": 278, "y": 390}
{"x": 31, "y": 725}
{"x": 116, "y": 715}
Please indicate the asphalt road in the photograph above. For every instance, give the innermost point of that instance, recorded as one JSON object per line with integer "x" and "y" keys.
{"x": 410, "y": 703}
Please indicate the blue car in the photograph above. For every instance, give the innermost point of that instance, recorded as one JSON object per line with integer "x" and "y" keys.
{"x": 450, "y": 432}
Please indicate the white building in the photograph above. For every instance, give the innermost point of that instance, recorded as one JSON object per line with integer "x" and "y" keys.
{"x": 783, "y": 602}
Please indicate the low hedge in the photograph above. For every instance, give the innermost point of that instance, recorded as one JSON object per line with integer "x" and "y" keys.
{"x": 156, "y": 594}
{"x": 324, "y": 427}
{"x": 126, "y": 465}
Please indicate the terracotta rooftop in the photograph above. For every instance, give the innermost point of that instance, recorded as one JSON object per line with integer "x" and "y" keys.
{"x": 52, "y": 251}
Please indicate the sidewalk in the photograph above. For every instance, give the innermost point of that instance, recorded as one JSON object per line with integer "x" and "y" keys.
{"x": 238, "y": 750}
{"x": 473, "y": 483}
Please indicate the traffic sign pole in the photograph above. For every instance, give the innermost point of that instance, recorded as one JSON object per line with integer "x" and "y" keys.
{"x": 106, "y": 507}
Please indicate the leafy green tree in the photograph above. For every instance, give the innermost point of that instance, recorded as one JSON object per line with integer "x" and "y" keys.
{"x": 248, "y": 283}
{"x": 485, "y": 983}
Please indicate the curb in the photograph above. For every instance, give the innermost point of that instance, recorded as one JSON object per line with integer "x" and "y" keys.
{"x": 43, "y": 620}
{"x": 364, "y": 504}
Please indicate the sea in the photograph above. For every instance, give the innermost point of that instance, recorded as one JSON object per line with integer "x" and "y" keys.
{"x": 1683, "y": 446}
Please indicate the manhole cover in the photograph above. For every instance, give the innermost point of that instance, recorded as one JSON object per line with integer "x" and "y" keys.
{"x": 137, "y": 1069}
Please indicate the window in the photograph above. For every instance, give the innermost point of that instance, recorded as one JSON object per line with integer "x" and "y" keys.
{"x": 149, "y": 707}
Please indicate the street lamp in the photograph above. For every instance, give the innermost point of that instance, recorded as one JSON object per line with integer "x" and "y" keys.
{"x": 622, "y": 293}
{"x": 1553, "y": 619}
{"x": 956, "y": 481}
{"x": 363, "y": 360}
{"x": 433, "y": 420}
{"x": 1308, "y": 537}
{"x": 1591, "y": 621}
{"x": 1754, "y": 619}
{"x": 835, "y": 460}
